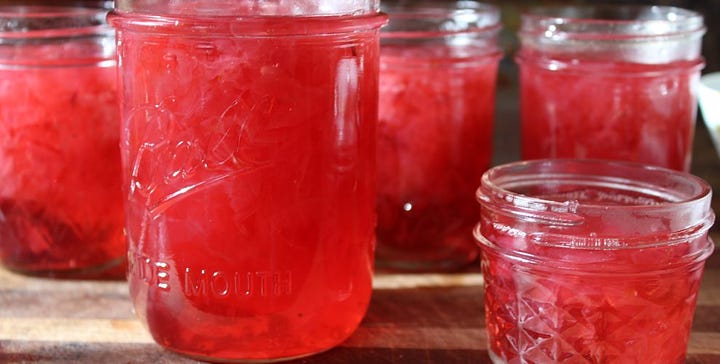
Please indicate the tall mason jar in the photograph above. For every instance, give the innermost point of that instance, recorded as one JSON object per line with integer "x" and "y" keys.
{"x": 591, "y": 261}
{"x": 248, "y": 149}
{"x": 61, "y": 209}
{"x": 438, "y": 67}
{"x": 612, "y": 82}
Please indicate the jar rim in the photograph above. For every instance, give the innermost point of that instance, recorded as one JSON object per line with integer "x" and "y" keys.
{"x": 610, "y": 21}
{"x": 426, "y": 18}
{"x": 248, "y": 9}
{"x": 496, "y": 181}
{"x": 520, "y": 259}
{"x": 29, "y": 10}
{"x": 245, "y": 26}
{"x": 549, "y": 207}
{"x": 51, "y": 21}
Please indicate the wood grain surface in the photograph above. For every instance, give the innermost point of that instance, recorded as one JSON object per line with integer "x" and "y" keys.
{"x": 422, "y": 318}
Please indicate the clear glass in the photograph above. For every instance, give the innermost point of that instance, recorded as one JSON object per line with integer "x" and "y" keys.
{"x": 610, "y": 82}
{"x": 438, "y": 67}
{"x": 591, "y": 261}
{"x": 248, "y": 152}
{"x": 60, "y": 202}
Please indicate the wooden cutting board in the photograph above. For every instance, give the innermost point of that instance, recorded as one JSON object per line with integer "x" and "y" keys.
{"x": 431, "y": 318}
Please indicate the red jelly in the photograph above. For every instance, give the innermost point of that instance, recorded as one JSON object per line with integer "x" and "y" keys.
{"x": 249, "y": 163}
{"x": 60, "y": 199}
{"x": 591, "y": 262}
{"x": 437, "y": 103}
{"x": 611, "y": 83}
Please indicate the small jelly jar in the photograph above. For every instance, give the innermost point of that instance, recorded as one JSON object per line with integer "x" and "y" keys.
{"x": 61, "y": 209}
{"x": 610, "y": 82}
{"x": 248, "y": 148}
{"x": 590, "y": 261}
{"x": 438, "y": 68}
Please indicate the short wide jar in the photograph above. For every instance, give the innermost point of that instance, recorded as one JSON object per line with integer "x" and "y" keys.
{"x": 591, "y": 261}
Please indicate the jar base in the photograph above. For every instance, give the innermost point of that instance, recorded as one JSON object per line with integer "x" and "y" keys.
{"x": 247, "y": 361}
{"x": 398, "y": 260}
{"x": 112, "y": 270}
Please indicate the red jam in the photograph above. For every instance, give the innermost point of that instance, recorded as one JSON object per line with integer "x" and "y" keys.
{"x": 61, "y": 207}
{"x": 620, "y": 111}
{"x": 438, "y": 67}
{"x": 434, "y": 143}
{"x": 591, "y": 262}
{"x": 249, "y": 168}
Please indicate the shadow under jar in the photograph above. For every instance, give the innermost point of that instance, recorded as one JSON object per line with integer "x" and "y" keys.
{"x": 61, "y": 209}
{"x": 438, "y": 68}
{"x": 610, "y": 82}
{"x": 589, "y": 261}
{"x": 248, "y": 152}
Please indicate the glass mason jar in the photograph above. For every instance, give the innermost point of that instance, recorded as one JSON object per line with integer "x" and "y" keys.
{"x": 610, "y": 82}
{"x": 591, "y": 261}
{"x": 248, "y": 148}
{"x": 438, "y": 67}
{"x": 60, "y": 201}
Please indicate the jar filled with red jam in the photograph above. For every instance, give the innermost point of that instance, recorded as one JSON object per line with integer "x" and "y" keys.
{"x": 61, "y": 210}
{"x": 248, "y": 149}
{"x": 591, "y": 261}
{"x": 438, "y": 67}
{"x": 610, "y": 82}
